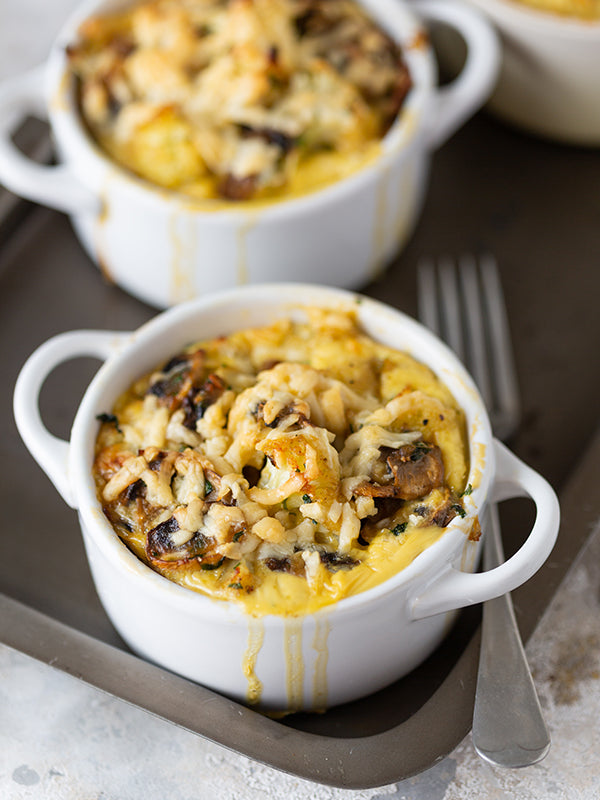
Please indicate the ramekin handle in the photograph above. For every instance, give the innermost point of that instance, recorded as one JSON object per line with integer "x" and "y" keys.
{"x": 454, "y": 103}
{"x": 54, "y": 186}
{"x": 51, "y": 452}
{"x": 456, "y": 589}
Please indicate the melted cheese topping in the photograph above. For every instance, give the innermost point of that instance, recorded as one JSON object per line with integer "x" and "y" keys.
{"x": 239, "y": 99}
{"x": 285, "y": 467}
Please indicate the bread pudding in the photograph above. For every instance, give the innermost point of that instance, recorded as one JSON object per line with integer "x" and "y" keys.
{"x": 239, "y": 99}
{"x": 283, "y": 467}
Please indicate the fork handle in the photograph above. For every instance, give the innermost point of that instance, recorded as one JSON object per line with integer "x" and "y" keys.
{"x": 457, "y": 589}
{"x": 508, "y": 725}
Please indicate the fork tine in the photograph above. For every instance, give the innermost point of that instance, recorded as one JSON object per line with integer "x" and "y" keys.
{"x": 450, "y": 300}
{"x": 427, "y": 293}
{"x": 501, "y": 348}
{"x": 475, "y": 329}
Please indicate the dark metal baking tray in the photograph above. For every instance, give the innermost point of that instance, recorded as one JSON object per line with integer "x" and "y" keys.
{"x": 49, "y": 609}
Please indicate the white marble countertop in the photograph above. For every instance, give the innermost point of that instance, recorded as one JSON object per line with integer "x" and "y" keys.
{"x": 63, "y": 740}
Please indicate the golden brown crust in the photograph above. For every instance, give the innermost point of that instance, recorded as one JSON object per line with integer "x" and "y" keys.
{"x": 213, "y": 463}
{"x": 232, "y": 98}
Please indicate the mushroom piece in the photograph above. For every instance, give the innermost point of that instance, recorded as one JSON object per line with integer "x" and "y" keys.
{"x": 233, "y": 188}
{"x": 177, "y": 378}
{"x": 336, "y": 561}
{"x": 196, "y": 401}
{"x": 162, "y": 546}
{"x": 294, "y": 565}
{"x": 280, "y": 139}
{"x": 299, "y": 409}
{"x": 415, "y": 470}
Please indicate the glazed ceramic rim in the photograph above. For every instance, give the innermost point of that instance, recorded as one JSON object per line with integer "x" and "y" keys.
{"x": 397, "y": 18}
{"x": 111, "y": 380}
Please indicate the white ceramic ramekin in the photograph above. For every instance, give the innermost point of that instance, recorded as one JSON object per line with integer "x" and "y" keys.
{"x": 343, "y": 651}
{"x": 163, "y": 248}
{"x": 549, "y": 82}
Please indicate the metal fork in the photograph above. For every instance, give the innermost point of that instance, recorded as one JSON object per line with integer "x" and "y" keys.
{"x": 464, "y": 305}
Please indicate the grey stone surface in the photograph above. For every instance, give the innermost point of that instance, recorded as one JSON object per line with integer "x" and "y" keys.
{"x": 62, "y": 740}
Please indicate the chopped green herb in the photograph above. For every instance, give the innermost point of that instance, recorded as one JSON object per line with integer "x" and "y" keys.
{"x": 109, "y": 418}
{"x": 213, "y": 566}
{"x": 459, "y": 509}
{"x": 238, "y": 535}
{"x": 421, "y": 449}
{"x": 208, "y": 487}
{"x": 399, "y": 528}
{"x": 235, "y": 586}
{"x": 306, "y": 498}
{"x": 468, "y": 490}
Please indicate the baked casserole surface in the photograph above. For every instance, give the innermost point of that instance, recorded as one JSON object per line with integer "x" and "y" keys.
{"x": 583, "y": 9}
{"x": 239, "y": 99}
{"x": 284, "y": 467}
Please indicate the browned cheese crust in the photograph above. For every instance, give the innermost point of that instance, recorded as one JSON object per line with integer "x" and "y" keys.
{"x": 239, "y": 99}
{"x": 289, "y": 449}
